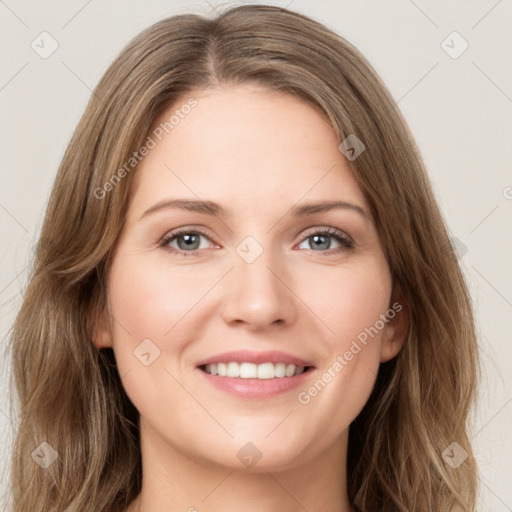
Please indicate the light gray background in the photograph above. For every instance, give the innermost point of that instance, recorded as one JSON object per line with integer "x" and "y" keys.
{"x": 459, "y": 109}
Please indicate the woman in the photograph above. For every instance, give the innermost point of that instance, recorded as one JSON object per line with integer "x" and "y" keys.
{"x": 244, "y": 294}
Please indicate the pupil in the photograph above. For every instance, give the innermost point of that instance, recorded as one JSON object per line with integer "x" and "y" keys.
{"x": 324, "y": 245}
{"x": 190, "y": 240}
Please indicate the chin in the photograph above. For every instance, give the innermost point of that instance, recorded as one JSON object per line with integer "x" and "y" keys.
{"x": 261, "y": 455}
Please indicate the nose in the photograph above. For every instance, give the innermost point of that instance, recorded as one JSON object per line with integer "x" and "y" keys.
{"x": 259, "y": 294}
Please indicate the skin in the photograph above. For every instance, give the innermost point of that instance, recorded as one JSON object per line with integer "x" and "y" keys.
{"x": 257, "y": 153}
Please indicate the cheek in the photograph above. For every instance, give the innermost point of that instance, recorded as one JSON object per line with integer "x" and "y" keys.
{"x": 152, "y": 308}
{"x": 351, "y": 301}
{"x": 155, "y": 310}
{"x": 149, "y": 300}
{"x": 351, "y": 306}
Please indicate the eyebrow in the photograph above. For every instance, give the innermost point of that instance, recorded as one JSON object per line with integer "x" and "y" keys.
{"x": 211, "y": 208}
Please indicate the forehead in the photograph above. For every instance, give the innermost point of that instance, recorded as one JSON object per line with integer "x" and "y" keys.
{"x": 243, "y": 146}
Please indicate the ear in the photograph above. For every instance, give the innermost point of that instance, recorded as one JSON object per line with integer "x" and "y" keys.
{"x": 101, "y": 332}
{"x": 395, "y": 331}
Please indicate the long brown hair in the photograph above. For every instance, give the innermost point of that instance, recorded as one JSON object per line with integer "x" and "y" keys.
{"x": 68, "y": 398}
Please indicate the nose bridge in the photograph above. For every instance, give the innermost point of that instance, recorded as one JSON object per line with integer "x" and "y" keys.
{"x": 257, "y": 294}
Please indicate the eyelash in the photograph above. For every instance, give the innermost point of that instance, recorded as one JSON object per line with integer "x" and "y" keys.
{"x": 343, "y": 239}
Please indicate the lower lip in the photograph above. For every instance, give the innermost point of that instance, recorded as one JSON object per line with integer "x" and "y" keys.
{"x": 256, "y": 388}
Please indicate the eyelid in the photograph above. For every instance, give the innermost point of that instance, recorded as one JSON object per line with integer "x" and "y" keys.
{"x": 330, "y": 230}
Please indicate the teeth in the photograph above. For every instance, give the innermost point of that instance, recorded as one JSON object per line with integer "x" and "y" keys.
{"x": 266, "y": 371}
{"x": 248, "y": 371}
{"x": 254, "y": 371}
{"x": 280, "y": 370}
{"x": 233, "y": 370}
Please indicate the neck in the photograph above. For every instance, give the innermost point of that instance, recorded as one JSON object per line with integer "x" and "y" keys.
{"x": 177, "y": 482}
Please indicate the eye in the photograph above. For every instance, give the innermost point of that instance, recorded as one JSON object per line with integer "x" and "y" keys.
{"x": 321, "y": 240}
{"x": 188, "y": 242}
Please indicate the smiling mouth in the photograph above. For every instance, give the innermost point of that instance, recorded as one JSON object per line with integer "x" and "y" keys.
{"x": 254, "y": 371}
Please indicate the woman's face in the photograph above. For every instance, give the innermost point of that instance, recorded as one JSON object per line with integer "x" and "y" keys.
{"x": 252, "y": 284}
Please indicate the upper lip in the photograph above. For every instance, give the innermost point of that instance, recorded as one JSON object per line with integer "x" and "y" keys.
{"x": 248, "y": 356}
